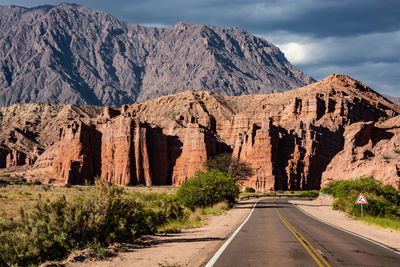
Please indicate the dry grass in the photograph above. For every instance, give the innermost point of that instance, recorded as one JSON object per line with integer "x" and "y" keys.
{"x": 13, "y": 197}
{"x": 163, "y": 189}
{"x": 16, "y": 196}
{"x": 195, "y": 218}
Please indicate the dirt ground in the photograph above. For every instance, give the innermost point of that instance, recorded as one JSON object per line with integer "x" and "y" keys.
{"x": 192, "y": 247}
{"x": 390, "y": 238}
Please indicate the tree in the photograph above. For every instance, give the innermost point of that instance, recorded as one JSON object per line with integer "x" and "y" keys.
{"x": 206, "y": 189}
{"x": 229, "y": 165}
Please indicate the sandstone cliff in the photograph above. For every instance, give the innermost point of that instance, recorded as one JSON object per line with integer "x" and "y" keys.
{"x": 370, "y": 149}
{"x": 289, "y": 138}
{"x": 28, "y": 131}
{"x": 73, "y": 55}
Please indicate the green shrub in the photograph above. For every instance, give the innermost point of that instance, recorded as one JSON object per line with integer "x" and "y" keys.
{"x": 36, "y": 182}
{"x": 383, "y": 201}
{"x": 160, "y": 209}
{"x": 206, "y": 189}
{"x": 308, "y": 194}
{"x": 249, "y": 190}
{"x": 4, "y": 182}
{"x": 98, "y": 252}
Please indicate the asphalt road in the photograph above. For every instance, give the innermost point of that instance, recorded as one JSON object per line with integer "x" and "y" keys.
{"x": 278, "y": 234}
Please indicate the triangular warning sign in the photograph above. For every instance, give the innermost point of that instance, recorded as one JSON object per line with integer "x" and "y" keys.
{"x": 361, "y": 199}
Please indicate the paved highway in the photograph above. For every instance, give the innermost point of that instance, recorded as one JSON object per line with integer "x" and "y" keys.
{"x": 278, "y": 234}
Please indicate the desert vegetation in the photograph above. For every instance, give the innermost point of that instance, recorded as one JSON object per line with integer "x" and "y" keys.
{"x": 52, "y": 222}
{"x": 207, "y": 188}
{"x": 383, "y": 208}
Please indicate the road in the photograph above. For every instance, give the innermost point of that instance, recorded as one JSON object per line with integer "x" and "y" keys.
{"x": 278, "y": 234}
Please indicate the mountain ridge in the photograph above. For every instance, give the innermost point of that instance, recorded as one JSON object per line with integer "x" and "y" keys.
{"x": 71, "y": 54}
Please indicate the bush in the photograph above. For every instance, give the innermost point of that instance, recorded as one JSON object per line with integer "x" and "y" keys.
{"x": 206, "y": 189}
{"x": 161, "y": 209}
{"x": 53, "y": 229}
{"x": 249, "y": 190}
{"x": 308, "y": 194}
{"x": 4, "y": 182}
{"x": 383, "y": 201}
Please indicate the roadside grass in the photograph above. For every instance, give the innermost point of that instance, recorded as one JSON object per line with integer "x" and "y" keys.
{"x": 383, "y": 208}
{"x": 194, "y": 218}
{"x": 216, "y": 209}
{"x": 271, "y": 193}
{"x": 388, "y": 223}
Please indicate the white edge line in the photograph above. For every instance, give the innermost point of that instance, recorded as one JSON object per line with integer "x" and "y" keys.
{"x": 216, "y": 256}
{"x": 349, "y": 232}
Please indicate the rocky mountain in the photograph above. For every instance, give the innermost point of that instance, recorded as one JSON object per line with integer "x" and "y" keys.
{"x": 394, "y": 99}
{"x": 71, "y": 54}
{"x": 290, "y": 139}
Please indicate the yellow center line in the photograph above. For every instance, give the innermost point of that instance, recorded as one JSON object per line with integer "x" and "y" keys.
{"x": 306, "y": 244}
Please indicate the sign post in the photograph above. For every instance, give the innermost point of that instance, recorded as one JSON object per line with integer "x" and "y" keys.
{"x": 361, "y": 200}
{"x": 323, "y": 195}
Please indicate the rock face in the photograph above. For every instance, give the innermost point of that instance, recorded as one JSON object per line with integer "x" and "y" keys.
{"x": 28, "y": 132}
{"x": 71, "y": 54}
{"x": 370, "y": 149}
{"x": 290, "y": 139}
{"x": 77, "y": 159}
{"x": 133, "y": 153}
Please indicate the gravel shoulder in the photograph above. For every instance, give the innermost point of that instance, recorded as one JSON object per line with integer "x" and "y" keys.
{"x": 191, "y": 247}
{"x": 324, "y": 212}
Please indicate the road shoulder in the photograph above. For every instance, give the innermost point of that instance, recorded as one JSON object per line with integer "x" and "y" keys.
{"x": 191, "y": 247}
{"x": 390, "y": 238}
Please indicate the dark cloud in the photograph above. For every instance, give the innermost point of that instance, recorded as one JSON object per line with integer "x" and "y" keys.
{"x": 310, "y": 17}
{"x": 356, "y": 37}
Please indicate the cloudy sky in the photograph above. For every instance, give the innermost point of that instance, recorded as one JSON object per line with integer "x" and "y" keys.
{"x": 360, "y": 38}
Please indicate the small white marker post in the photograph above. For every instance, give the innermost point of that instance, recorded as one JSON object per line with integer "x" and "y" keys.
{"x": 323, "y": 195}
{"x": 361, "y": 200}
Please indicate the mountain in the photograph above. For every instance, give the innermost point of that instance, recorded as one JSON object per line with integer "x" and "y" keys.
{"x": 289, "y": 138}
{"x": 71, "y": 54}
{"x": 394, "y": 99}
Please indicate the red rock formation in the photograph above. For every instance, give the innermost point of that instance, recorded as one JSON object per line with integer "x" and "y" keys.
{"x": 289, "y": 139}
{"x": 122, "y": 151}
{"x": 370, "y": 149}
{"x": 305, "y": 132}
{"x": 258, "y": 149}
{"x": 198, "y": 146}
{"x": 15, "y": 158}
{"x": 125, "y": 158}
{"x": 77, "y": 160}
{"x": 133, "y": 153}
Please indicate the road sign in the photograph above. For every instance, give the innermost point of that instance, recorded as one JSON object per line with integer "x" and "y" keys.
{"x": 324, "y": 195}
{"x": 361, "y": 199}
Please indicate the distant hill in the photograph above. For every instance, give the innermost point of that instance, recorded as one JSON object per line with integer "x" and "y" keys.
{"x": 394, "y": 99}
{"x": 72, "y": 54}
